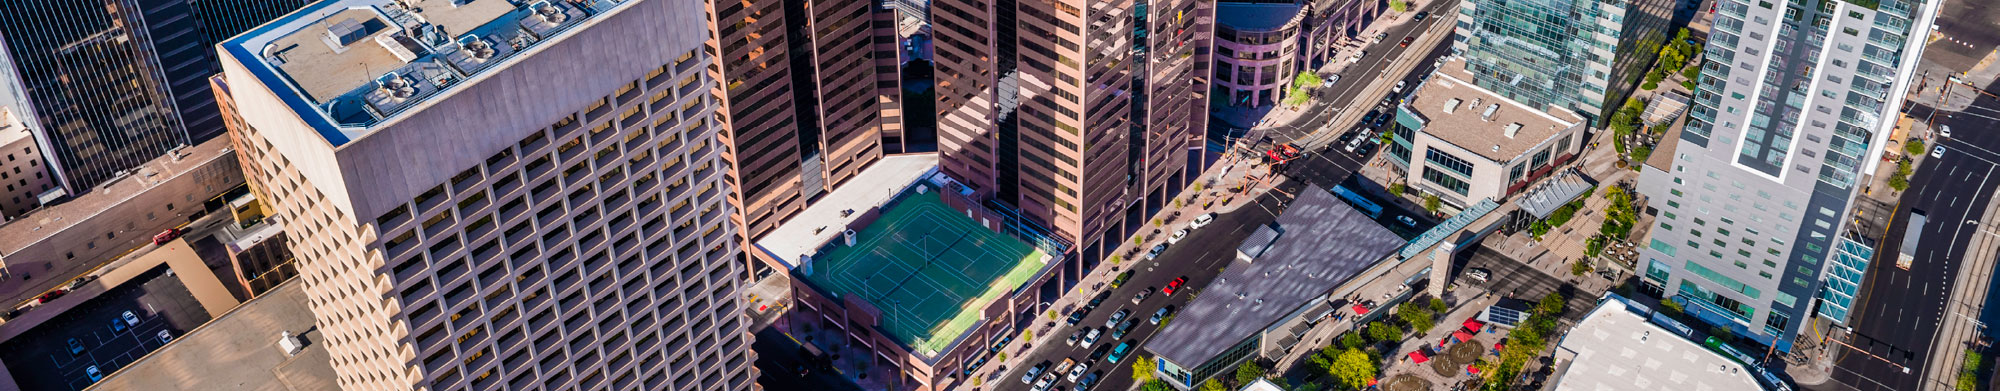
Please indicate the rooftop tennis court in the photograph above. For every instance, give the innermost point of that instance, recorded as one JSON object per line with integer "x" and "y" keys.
{"x": 929, "y": 268}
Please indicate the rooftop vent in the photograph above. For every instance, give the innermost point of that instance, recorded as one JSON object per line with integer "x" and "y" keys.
{"x": 346, "y": 32}
{"x": 1488, "y": 115}
{"x": 1512, "y": 129}
{"x": 395, "y": 86}
{"x": 549, "y": 12}
{"x": 475, "y": 47}
{"x": 290, "y": 343}
{"x": 1451, "y": 105}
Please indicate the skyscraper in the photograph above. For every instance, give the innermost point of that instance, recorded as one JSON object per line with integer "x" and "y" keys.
{"x": 488, "y": 195}
{"x": 808, "y": 88}
{"x": 1581, "y": 55}
{"x": 1796, "y": 100}
{"x": 111, "y": 84}
{"x": 1082, "y": 117}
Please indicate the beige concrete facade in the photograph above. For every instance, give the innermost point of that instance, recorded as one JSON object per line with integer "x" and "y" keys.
{"x": 558, "y": 219}
{"x": 24, "y": 171}
{"x": 1464, "y": 143}
{"x": 1039, "y": 114}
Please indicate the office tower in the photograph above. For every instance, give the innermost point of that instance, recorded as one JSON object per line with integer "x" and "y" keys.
{"x": 23, "y": 171}
{"x": 1082, "y": 117}
{"x": 488, "y": 195}
{"x": 1796, "y": 100}
{"x": 111, "y": 84}
{"x": 1581, "y": 55}
{"x": 805, "y": 95}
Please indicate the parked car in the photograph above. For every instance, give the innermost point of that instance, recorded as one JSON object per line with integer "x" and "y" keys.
{"x": 1064, "y": 366}
{"x": 1406, "y": 220}
{"x": 1421, "y": 15}
{"x": 1089, "y": 380}
{"x": 1202, "y": 220}
{"x": 1161, "y": 314}
{"x": 75, "y": 347}
{"x": 1944, "y": 130}
{"x": 1119, "y": 352}
{"x": 118, "y": 325}
{"x": 1097, "y": 353}
{"x": 1478, "y": 273}
{"x": 1399, "y": 86}
{"x": 1352, "y": 146}
{"x": 1073, "y": 337}
{"x": 1177, "y": 236}
{"x": 1091, "y": 337}
{"x": 165, "y": 336}
{"x": 131, "y": 319}
{"x": 93, "y": 373}
{"x": 1124, "y": 328}
{"x": 1155, "y": 252}
{"x": 1122, "y": 278}
{"x": 50, "y": 296}
{"x": 1076, "y": 372}
{"x": 1047, "y": 380}
{"x": 1141, "y": 297}
{"x": 1117, "y": 316}
{"x": 167, "y": 236}
{"x": 1029, "y": 377}
{"x": 1175, "y": 284}
{"x": 1406, "y": 41}
{"x": 1937, "y": 152}
{"x": 1076, "y": 316}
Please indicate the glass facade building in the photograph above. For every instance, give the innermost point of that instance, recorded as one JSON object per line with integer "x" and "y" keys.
{"x": 1792, "y": 104}
{"x": 1575, "y": 54}
{"x": 110, "y": 86}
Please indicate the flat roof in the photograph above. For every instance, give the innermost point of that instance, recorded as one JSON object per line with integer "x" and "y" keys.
{"x": 1663, "y": 154}
{"x": 929, "y": 269}
{"x": 41, "y": 223}
{"x": 1255, "y": 16}
{"x": 1322, "y": 243}
{"x": 346, "y": 65}
{"x": 1498, "y": 129}
{"x": 11, "y": 129}
{"x": 821, "y": 222}
{"x": 1615, "y": 348}
{"x": 238, "y": 351}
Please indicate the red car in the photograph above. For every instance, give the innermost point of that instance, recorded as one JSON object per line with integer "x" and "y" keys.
{"x": 167, "y": 236}
{"x": 1407, "y": 41}
{"x": 1174, "y": 285}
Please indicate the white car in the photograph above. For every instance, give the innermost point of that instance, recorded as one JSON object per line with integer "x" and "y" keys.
{"x": 1090, "y": 338}
{"x": 165, "y": 336}
{"x": 130, "y": 319}
{"x": 1478, "y": 274}
{"x": 1944, "y": 130}
{"x": 1399, "y": 86}
{"x": 1202, "y": 220}
{"x": 1177, "y": 236}
{"x": 1937, "y": 152}
{"x": 1076, "y": 372}
{"x": 1406, "y": 220}
{"x": 1046, "y": 381}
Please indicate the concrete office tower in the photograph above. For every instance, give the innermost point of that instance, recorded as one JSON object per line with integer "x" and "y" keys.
{"x": 807, "y": 92}
{"x": 1583, "y": 55}
{"x": 111, "y": 84}
{"x": 1083, "y": 116}
{"x": 488, "y": 195}
{"x": 1796, "y": 101}
{"x": 23, "y": 171}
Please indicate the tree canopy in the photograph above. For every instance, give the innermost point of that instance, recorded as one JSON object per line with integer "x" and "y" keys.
{"x": 1353, "y": 368}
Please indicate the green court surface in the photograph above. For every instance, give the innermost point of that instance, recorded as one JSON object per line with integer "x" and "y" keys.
{"x": 929, "y": 268}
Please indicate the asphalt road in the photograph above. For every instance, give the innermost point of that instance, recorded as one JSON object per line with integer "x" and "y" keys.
{"x": 1898, "y": 314}
{"x": 1358, "y": 75}
{"x": 1197, "y": 256}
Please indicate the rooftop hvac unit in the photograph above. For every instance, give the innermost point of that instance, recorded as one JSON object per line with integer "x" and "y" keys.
{"x": 847, "y": 236}
{"x": 475, "y": 47}
{"x": 290, "y": 343}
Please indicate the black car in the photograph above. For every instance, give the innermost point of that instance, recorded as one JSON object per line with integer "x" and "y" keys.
{"x": 1077, "y": 316}
{"x": 1421, "y": 15}
{"x": 1099, "y": 353}
{"x": 1370, "y": 117}
{"x": 1380, "y": 120}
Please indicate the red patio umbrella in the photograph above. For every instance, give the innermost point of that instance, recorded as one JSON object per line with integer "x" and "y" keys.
{"x": 1460, "y": 336}
{"x": 1474, "y": 324}
{"x": 1471, "y": 369}
{"x": 1419, "y": 357}
{"x": 1359, "y": 310}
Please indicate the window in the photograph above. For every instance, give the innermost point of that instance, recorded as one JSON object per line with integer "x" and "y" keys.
{"x": 1433, "y": 176}
{"x": 1447, "y": 161}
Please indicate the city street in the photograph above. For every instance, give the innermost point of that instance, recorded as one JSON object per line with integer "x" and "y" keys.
{"x": 1329, "y": 102}
{"x": 1899, "y": 313}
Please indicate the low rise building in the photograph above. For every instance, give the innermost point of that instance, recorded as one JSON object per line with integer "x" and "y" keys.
{"x": 1615, "y": 347}
{"x": 268, "y": 343}
{"x": 900, "y": 273}
{"x": 1464, "y": 143}
{"x": 1288, "y": 278}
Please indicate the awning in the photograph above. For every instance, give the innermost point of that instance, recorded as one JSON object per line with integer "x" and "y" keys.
{"x": 1419, "y": 357}
{"x": 1544, "y": 199}
{"x": 1460, "y": 336}
{"x": 1474, "y": 324}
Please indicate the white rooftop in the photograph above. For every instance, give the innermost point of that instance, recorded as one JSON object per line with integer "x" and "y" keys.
{"x": 1262, "y": 385}
{"x": 822, "y": 222}
{"x": 1614, "y": 348}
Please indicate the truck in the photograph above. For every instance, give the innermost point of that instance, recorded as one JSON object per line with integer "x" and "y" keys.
{"x": 1913, "y": 231}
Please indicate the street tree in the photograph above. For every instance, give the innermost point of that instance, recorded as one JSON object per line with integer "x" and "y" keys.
{"x": 1142, "y": 369}
{"x": 1353, "y": 369}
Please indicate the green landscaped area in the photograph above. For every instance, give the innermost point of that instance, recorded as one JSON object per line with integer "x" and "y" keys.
{"x": 929, "y": 268}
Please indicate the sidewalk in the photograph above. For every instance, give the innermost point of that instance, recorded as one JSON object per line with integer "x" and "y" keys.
{"x": 1280, "y": 115}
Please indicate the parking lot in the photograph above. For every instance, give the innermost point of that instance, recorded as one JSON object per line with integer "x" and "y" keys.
{"x": 41, "y": 359}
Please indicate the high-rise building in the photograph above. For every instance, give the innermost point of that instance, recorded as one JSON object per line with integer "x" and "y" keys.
{"x": 1581, "y": 55}
{"x": 1796, "y": 100}
{"x": 24, "y": 170}
{"x": 808, "y": 88}
{"x": 1080, "y": 116}
{"x": 489, "y": 194}
{"x": 115, "y": 83}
